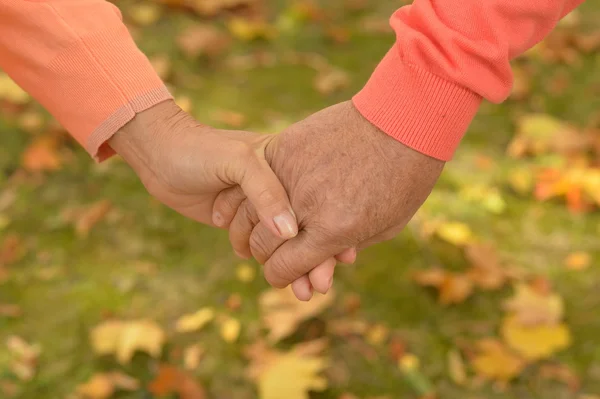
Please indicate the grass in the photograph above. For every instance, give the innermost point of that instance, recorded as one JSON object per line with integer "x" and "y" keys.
{"x": 97, "y": 275}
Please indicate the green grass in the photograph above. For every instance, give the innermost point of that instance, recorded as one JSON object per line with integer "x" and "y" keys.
{"x": 97, "y": 275}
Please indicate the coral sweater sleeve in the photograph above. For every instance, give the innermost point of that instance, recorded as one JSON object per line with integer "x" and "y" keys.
{"x": 448, "y": 56}
{"x": 78, "y": 60}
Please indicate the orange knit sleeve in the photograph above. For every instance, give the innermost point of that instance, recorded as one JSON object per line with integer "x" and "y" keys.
{"x": 78, "y": 60}
{"x": 448, "y": 55}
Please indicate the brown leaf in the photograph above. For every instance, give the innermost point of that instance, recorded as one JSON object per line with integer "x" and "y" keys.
{"x": 532, "y": 308}
{"x": 562, "y": 373}
{"x": 331, "y": 80}
{"x": 452, "y": 287}
{"x": 203, "y": 39}
{"x": 89, "y": 217}
{"x": 42, "y": 155}
{"x": 10, "y": 310}
{"x": 11, "y": 250}
{"x": 170, "y": 380}
{"x": 282, "y": 313}
{"x": 104, "y": 385}
{"x": 486, "y": 270}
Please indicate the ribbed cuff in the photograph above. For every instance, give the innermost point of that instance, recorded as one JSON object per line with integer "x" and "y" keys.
{"x": 416, "y": 107}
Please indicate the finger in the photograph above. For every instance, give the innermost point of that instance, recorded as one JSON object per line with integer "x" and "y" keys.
{"x": 268, "y": 196}
{"x": 241, "y": 227}
{"x": 347, "y": 256}
{"x": 321, "y": 277}
{"x": 263, "y": 243}
{"x": 302, "y": 288}
{"x": 226, "y": 205}
{"x": 298, "y": 256}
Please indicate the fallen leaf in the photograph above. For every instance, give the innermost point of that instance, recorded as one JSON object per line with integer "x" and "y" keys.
{"x": 282, "y": 313}
{"x": 91, "y": 216}
{"x": 456, "y": 368}
{"x": 41, "y": 155}
{"x": 230, "y": 118}
{"x": 230, "y": 330}
{"x": 338, "y": 34}
{"x": 11, "y": 249}
{"x": 535, "y": 342}
{"x": 486, "y": 270}
{"x": 578, "y": 261}
{"x": 245, "y": 273}
{"x": 195, "y": 321}
{"x": 331, "y": 80}
{"x": 234, "y": 302}
{"x": 170, "y": 380}
{"x": 249, "y": 30}
{"x": 291, "y": 374}
{"x": 377, "y": 334}
{"x": 24, "y": 356}
{"x": 452, "y": 287}
{"x": 410, "y": 365}
{"x": 532, "y": 308}
{"x": 31, "y": 121}
{"x": 185, "y": 103}
{"x": 104, "y": 385}
{"x": 455, "y": 233}
{"x": 494, "y": 361}
{"x": 203, "y": 39}
{"x": 123, "y": 339}
{"x": 562, "y": 373}
{"x": 144, "y": 14}
{"x": 192, "y": 355}
{"x": 10, "y": 310}
{"x": 11, "y": 92}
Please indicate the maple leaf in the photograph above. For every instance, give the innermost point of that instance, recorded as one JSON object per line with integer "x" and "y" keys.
{"x": 195, "y": 321}
{"x": 282, "y": 313}
{"x": 535, "y": 342}
{"x": 532, "y": 308}
{"x": 494, "y": 361}
{"x": 203, "y": 39}
{"x": 291, "y": 374}
{"x": 170, "y": 379}
{"x": 41, "y": 155}
{"x": 452, "y": 287}
{"x": 125, "y": 338}
{"x": 486, "y": 270}
{"x": 104, "y": 385}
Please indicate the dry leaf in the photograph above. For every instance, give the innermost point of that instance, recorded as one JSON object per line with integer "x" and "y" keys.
{"x": 104, "y": 385}
{"x": 10, "y": 310}
{"x": 289, "y": 375}
{"x": 532, "y": 308}
{"x": 144, "y": 14}
{"x": 578, "y": 261}
{"x": 171, "y": 380}
{"x": 486, "y": 270}
{"x": 535, "y": 342}
{"x": 195, "y": 321}
{"x": 455, "y": 233}
{"x": 11, "y": 249}
{"x": 452, "y": 287}
{"x": 377, "y": 334}
{"x": 230, "y": 330}
{"x": 230, "y": 118}
{"x": 89, "y": 217}
{"x": 562, "y": 373}
{"x": 123, "y": 339}
{"x": 331, "y": 80}
{"x": 248, "y": 30}
{"x": 282, "y": 313}
{"x": 494, "y": 361}
{"x": 191, "y": 356}
{"x": 31, "y": 121}
{"x": 41, "y": 155}
{"x": 11, "y": 92}
{"x": 245, "y": 273}
{"x": 203, "y": 39}
{"x": 24, "y": 357}
{"x": 456, "y": 368}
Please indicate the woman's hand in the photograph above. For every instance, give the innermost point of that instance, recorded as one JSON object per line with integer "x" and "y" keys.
{"x": 186, "y": 165}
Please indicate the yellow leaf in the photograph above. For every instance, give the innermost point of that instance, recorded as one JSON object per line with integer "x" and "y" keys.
{"x": 535, "y": 342}
{"x": 521, "y": 180}
{"x": 104, "y": 385}
{"x": 195, "y": 321}
{"x": 377, "y": 334}
{"x": 184, "y": 102}
{"x": 245, "y": 273}
{"x": 409, "y": 362}
{"x": 282, "y": 313}
{"x": 123, "y": 339}
{"x": 494, "y": 361}
{"x": 455, "y": 233}
{"x": 145, "y": 14}
{"x": 456, "y": 367}
{"x": 532, "y": 308}
{"x": 230, "y": 330}
{"x": 248, "y": 30}
{"x": 292, "y": 376}
{"x": 191, "y": 356}
{"x": 578, "y": 261}
{"x": 11, "y": 92}
{"x": 41, "y": 155}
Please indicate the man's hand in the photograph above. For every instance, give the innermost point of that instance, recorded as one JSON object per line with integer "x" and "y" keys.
{"x": 185, "y": 165}
{"x": 350, "y": 184}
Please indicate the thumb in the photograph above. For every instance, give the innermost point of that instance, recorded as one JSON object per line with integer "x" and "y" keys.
{"x": 267, "y": 195}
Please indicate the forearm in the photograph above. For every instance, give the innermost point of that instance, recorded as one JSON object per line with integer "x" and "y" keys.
{"x": 79, "y": 61}
{"x": 448, "y": 56}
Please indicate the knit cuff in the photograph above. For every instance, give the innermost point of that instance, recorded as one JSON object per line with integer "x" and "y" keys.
{"x": 416, "y": 107}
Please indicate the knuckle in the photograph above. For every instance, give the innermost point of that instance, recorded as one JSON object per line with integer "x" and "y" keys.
{"x": 280, "y": 274}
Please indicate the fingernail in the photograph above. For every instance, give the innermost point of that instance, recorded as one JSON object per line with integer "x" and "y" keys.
{"x": 218, "y": 219}
{"x": 286, "y": 225}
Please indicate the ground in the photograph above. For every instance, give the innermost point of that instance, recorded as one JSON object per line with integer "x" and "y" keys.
{"x": 143, "y": 261}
